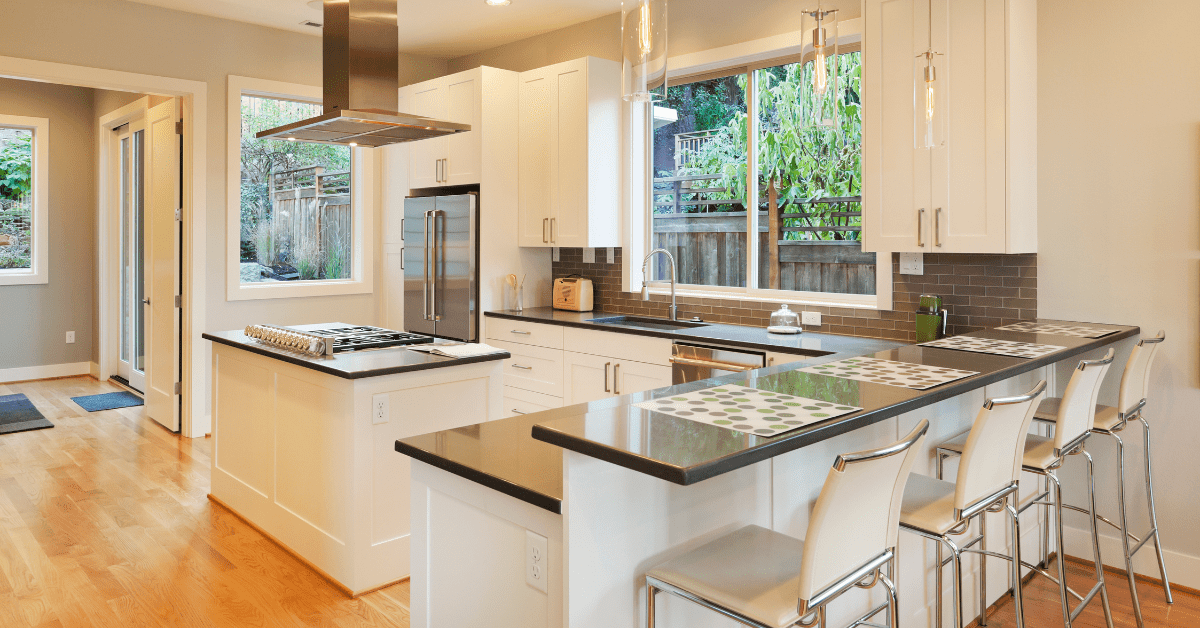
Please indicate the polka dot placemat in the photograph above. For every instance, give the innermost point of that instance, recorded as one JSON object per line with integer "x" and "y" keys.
{"x": 998, "y": 347}
{"x": 1058, "y": 329}
{"x": 902, "y": 374}
{"x": 749, "y": 410}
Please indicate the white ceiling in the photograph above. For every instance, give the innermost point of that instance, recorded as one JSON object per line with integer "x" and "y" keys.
{"x": 439, "y": 28}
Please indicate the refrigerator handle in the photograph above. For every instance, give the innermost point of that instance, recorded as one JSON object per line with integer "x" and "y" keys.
{"x": 436, "y": 250}
{"x": 425, "y": 253}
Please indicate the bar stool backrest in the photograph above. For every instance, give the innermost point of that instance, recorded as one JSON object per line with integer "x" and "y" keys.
{"x": 1077, "y": 412}
{"x": 991, "y": 459}
{"x": 857, "y": 515}
{"x": 1135, "y": 381}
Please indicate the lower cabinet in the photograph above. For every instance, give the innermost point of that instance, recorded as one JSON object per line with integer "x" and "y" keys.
{"x": 518, "y": 401}
{"x": 588, "y": 377}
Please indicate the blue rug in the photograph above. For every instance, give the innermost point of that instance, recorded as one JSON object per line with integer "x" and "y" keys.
{"x": 108, "y": 401}
{"x": 17, "y": 414}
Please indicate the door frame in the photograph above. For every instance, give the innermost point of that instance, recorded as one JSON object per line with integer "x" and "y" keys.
{"x": 193, "y": 95}
{"x": 108, "y": 221}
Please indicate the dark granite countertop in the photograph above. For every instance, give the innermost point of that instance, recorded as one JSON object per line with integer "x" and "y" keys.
{"x": 504, "y": 457}
{"x": 745, "y": 336}
{"x": 352, "y": 365}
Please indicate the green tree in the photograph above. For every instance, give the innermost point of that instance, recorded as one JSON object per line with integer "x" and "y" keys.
{"x": 16, "y": 167}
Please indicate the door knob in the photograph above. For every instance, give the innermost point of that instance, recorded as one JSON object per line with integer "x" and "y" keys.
{"x": 145, "y": 301}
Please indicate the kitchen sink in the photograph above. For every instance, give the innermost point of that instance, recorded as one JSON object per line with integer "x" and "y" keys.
{"x": 643, "y": 322}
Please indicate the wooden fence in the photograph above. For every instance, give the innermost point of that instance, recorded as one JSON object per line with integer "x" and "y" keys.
{"x": 312, "y": 213}
{"x": 710, "y": 246}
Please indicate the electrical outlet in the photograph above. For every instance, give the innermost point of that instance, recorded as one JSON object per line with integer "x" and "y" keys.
{"x": 589, "y": 255}
{"x": 379, "y": 409}
{"x": 554, "y": 254}
{"x": 70, "y": 337}
{"x": 810, "y": 318}
{"x": 912, "y": 263}
{"x": 612, "y": 255}
{"x": 536, "y": 565}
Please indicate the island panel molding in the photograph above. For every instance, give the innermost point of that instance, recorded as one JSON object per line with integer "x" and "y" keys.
{"x": 980, "y": 291}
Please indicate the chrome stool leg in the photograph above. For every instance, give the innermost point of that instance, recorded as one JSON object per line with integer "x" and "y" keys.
{"x": 1018, "y": 597}
{"x": 983, "y": 603}
{"x": 650, "y": 591}
{"x": 1124, "y": 530}
{"x": 1162, "y": 565}
{"x": 1062, "y": 563}
{"x": 1091, "y": 471}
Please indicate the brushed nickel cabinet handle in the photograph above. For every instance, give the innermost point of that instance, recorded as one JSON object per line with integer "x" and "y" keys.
{"x": 606, "y": 364}
{"x": 523, "y": 333}
{"x": 545, "y": 221}
{"x": 552, "y": 221}
{"x": 937, "y": 227}
{"x": 522, "y": 367}
{"x": 516, "y": 411}
{"x": 920, "y": 217}
{"x": 616, "y": 379}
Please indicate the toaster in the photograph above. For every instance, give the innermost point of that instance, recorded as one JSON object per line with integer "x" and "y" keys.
{"x": 573, "y": 293}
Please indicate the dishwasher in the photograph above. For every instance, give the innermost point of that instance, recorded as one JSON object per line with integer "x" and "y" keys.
{"x": 692, "y": 362}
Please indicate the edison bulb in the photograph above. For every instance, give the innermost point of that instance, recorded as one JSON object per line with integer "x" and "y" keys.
{"x": 820, "y": 76}
{"x": 929, "y": 102}
{"x": 645, "y": 40}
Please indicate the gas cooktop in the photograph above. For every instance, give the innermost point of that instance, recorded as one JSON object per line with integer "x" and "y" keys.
{"x": 326, "y": 342}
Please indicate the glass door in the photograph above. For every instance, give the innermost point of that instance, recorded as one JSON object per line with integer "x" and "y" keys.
{"x": 132, "y": 362}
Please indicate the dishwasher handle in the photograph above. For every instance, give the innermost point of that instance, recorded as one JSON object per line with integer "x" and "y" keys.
{"x": 714, "y": 364}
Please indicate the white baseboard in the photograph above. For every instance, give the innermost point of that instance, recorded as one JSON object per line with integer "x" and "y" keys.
{"x": 1181, "y": 568}
{"x": 47, "y": 371}
{"x": 95, "y": 370}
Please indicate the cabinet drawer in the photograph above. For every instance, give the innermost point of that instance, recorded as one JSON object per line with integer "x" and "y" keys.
{"x": 549, "y": 336}
{"x": 518, "y": 401}
{"x": 618, "y": 345}
{"x": 536, "y": 369}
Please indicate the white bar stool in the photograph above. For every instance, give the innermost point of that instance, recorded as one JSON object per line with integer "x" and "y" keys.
{"x": 988, "y": 477}
{"x": 1109, "y": 421}
{"x": 765, "y": 579}
{"x": 1043, "y": 456}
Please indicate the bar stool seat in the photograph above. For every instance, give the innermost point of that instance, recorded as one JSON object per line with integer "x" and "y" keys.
{"x": 1039, "y": 450}
{"x": 1107, "y": 417}
{"x": 929, "y": 504}
{"x": 763, "y": 589}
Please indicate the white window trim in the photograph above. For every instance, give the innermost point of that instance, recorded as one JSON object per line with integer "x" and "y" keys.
{"x": 638, "y": 232}
{"x": 39, "y": 270}
{"x": 362, "y": 202}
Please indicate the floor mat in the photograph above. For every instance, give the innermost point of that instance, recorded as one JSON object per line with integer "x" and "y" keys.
{"x": 17, "y": 414}
{"x": 108, "y": 401}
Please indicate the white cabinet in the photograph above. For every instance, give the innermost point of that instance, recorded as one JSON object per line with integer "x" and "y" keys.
{"x": 568, "y": 154}
{"x": 631, "y": 377}
{"x": 977, "y": 191}
{"x": 518, "y": 401}
{"x": 588, "y": 377}
{"x": 536, "y": 369}
{"x": 452, "y": 159}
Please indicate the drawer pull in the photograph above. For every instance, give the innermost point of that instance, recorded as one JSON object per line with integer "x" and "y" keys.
{"x": 523, "y": 333}
{"x": 516, "y": 411}
{"x": 616, "y": 379}
{"x": 522, "y": 367}
{"x": 606, "y": 365}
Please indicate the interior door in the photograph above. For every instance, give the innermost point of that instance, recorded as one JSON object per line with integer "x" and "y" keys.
{"x": 162, "y": 238}
{"x": 131, "y": 171}
{"x": 587, "y": 377}
{"x": 533, "y": 156}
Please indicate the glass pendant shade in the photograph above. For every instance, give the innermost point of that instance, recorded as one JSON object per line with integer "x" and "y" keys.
{"x": 644, "y": 50}
{"x": 929, "y": 99}
{"x": 821, "y": 92}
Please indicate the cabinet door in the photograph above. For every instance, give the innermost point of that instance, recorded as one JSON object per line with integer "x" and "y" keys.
{"x": 896, "y": 175}
{"x": 429, "y": 100}
{"x": 569, "y": 155}
{"x": 586, "y": 377}
{"x": 533, "y": 159}
{"x": 969, "y": 173}
{"x": 463, "y": 155}
{"x": 634, "y": 377}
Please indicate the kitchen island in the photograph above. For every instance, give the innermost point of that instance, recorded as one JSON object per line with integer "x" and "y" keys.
{"x": 611, "y": 489}
{"x": 302, "y": 446}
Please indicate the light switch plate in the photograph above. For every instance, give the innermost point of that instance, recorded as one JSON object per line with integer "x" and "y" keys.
{"x": 379, "y": 409}
{"x": 589, "y": 255}
{"x": 810, "y": 318}
{"x": 554, "y": 254}
{"x": 536, "y": 565}
{"x": 612, "y": 255}
{"x": 912, "y": 263}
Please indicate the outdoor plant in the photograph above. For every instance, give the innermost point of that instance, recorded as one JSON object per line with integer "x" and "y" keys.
{"x": 306, "y": 258}
{"x": 16, "y": 166}
{"x": 264, "y": 242}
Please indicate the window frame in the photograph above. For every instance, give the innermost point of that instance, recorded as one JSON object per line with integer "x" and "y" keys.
{"x": 743, "y": 59}
{"x": 362, "y": 203}
{"x": 39, "y": 259}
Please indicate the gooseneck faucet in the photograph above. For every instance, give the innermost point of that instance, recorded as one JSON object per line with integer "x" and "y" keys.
{"x": 646, "y": 284}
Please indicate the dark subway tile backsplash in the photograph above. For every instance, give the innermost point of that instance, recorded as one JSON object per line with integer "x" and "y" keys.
{"x": 980, "y": 291}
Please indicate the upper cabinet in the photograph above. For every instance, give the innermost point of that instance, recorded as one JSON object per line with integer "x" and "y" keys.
{"x": 975, "y": 191}
{"x": 451, "y": 159}
{"x": 568, "y": 154}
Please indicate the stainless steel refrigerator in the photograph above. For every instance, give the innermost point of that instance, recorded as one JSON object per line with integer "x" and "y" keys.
{"x": 441, "y": 266}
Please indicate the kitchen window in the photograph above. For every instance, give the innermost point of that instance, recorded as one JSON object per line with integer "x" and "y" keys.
{"x": 24, "y": 226}
{"x": 297, "y": 225}
{"x": 710, "y": 133}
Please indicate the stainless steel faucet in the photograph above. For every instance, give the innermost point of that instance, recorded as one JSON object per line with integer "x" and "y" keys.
{"x": 646, "y": 286}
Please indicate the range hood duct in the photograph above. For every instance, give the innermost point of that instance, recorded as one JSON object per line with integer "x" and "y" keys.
{"x": 361, "y": 61}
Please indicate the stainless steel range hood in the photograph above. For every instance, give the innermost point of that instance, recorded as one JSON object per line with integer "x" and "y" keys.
{"x": 361, "y": 65}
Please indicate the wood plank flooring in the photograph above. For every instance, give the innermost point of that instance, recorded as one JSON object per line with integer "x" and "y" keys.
{"x": 105, "y": 522}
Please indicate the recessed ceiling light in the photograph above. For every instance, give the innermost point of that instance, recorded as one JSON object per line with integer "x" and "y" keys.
{"x": 498, "y": 3}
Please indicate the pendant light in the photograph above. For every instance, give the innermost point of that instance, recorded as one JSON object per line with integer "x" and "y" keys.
{"x": 819, "y": 27}
{"x": 930, "y": 119}
{"x": 644, "y": 50}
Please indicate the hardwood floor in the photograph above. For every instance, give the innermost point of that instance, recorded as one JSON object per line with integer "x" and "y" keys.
{"x": 105, "y": 521}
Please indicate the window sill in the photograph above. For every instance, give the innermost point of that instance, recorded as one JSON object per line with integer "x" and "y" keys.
{"x": 291, "y": 290}
{"x": 855, "y": 301}
{"x": 13, "y": 277}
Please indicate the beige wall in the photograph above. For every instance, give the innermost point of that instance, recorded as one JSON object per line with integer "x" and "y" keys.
{"x": 133, "y": 37}
{"x": 1118, "y": 226}
{"x": 37, "y": 317}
